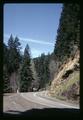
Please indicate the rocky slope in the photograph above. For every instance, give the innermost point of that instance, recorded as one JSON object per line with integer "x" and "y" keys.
{"x": 65, "y": 85}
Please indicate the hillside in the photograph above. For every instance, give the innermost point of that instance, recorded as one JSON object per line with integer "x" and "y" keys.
{"x": 65, "y": 85}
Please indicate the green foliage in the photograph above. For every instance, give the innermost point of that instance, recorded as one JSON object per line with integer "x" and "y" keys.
{"x": 68, "y": 34}
{"x": 14, "y": 54}
{"x": 26, "y": 76}
{"x": 42, "y": 68}
{"x": 11, "y": 61}
{"x": 35, "y": 83}
{"x": 5, "y": 55}
{"x": 6, "y": 85}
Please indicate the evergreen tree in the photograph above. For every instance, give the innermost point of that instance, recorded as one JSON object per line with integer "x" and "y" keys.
{"x": 46, "y": 71}
{"x": 68, "y": 32}
{"x": 6, "y": 82}
{"x": 11, "y": 63}
{"x": 42, "y": 68}
{"x": 14, "y": 54}
{"x": 35, "y": 82}
{"x": 26, "y": 76}
{"x": 5, "y": 54}
{"x": 7, "y": 87}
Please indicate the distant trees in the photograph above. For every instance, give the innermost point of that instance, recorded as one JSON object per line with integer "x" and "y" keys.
{"x": 42, "y": 68}
{"x": 19, "y": 70}
{"x": 14, "y": 54}
{"x": 11, "y": 63}
{"x": 35, "y": 83}
{"x": 6, "y": 82}
{"x": 6, "y": 87}
{"x": 26, "y": 76}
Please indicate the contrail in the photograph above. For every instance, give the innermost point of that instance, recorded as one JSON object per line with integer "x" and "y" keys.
{"x": 31, "y": 40}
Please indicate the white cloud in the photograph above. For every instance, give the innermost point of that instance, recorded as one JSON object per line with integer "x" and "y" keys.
{"x": 36, "y": 41}
{"x": 31, "y": 40}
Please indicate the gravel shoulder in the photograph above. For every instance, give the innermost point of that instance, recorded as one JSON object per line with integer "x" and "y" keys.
{"x": 45, "y": 96}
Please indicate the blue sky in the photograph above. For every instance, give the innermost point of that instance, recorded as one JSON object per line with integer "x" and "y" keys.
{"x": 35, "y": 24}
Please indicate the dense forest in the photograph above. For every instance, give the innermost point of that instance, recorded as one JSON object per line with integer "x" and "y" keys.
{"x": 21, "y": 72}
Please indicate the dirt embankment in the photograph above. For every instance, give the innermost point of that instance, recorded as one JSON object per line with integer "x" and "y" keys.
{"x": 65, "y": 85}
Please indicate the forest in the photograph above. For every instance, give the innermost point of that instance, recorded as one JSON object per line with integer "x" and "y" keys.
{"x": 26, "y": 74}
{"x": 21, "y": 71}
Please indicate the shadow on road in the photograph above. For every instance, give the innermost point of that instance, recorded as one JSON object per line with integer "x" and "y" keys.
{"x": 46, "y": 112}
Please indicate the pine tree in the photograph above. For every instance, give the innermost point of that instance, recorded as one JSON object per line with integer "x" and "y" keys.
{"x": 6, "y": 82}
{"x": 13, "y": 61}
{"x": 14, "y": 54}
{"x": 35, "y": 82}
{"x": 42, "y": 68}
{"x": 46, "y": 71}
{"x": 68, "y": 32}
{"x": 26, "y": 76}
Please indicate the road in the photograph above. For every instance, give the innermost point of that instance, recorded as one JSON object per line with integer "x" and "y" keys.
{"x": 26, "y": 101}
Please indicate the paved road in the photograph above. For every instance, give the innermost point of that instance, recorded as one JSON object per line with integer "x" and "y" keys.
{"x": 15, "y": 102}
{"x": 26, "y": 101}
